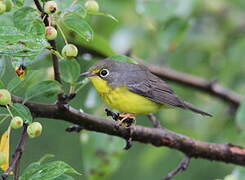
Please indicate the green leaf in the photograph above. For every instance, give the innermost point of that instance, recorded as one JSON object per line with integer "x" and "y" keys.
{"x": 2, "y": 66}
{"x": 14, "y": 83}
{"x": 78, "y": 10}
{"x": 21, "y": 110}
{"x": 15, "y": 43}
{"x": 103, "y": 14}
{"x": 27, "y": 20}
{"x": 32, "y": 76}
{"x": 64, "y": 177}
{"x": 78, "y": 25}
{"x": 240, "y": 116}
{"x": 48, "y": 171}
{"x": 20, "y": 3}
{"x": 123, "y": 58}
{"x": 47, "y": 88}
{"x": 98, "y": 158}
{"x": 98, "y": 43}
{"x": 70, "y": 70}
{"x": 1, "y": 84}
{"x": 1, "y": 171}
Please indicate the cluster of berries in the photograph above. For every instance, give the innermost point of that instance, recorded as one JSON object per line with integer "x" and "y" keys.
{"x": 69, "y": 50}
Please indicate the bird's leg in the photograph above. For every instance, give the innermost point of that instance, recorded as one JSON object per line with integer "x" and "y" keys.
{"x": 125, "y": 120}
{"x": 129, "y": 139}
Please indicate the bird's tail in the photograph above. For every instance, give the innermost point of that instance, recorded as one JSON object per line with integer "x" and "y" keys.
{"x": 194, "y": 109}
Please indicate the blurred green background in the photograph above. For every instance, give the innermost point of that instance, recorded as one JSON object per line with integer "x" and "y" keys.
{"x": 205, "y": 38}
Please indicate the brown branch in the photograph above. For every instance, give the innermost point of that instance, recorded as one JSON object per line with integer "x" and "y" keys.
{"x": 211, "y": 87}
{"x": 183, "y": 165}
{"x": 158, "y": 137}
{"x": 14, "y": 166}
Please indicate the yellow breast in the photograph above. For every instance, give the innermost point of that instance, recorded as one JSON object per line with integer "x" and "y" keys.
{"x": 123, "y": 100}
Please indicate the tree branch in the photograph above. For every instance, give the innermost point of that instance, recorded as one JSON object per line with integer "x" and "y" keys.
{"x": 158, "y": 137}
{"x": 211, "y": 87}
{"x": 14, "y": 166}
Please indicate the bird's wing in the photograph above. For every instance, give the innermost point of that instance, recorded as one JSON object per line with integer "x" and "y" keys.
{"x": 155, "y": 89}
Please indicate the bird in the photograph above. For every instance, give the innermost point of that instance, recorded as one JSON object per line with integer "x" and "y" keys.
{"x": 132, "y": 89}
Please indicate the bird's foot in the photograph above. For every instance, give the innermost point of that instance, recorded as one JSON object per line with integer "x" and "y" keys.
{"x": 126, "y": 119}
{"x": 123, "y": 120}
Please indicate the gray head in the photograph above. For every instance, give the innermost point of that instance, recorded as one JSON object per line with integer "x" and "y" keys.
{"x": 116, "y": 73}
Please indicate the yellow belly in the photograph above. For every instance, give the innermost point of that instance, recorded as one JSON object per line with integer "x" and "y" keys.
{"x": 123, "y": 100}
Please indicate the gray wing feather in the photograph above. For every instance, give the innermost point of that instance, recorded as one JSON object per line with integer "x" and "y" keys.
{"x": 157, "y": 90}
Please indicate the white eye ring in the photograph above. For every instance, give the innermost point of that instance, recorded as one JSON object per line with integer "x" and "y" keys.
{"x": 104, "y": 72}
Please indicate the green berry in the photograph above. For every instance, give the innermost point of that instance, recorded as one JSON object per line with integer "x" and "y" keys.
{"x": 69, "y": 51}
{"x": 34, "y": 129}
{"x": 16, "y": 122}
{"x": 50, "y": 7}
{"x": 2, "y": 7}
{"x": 92, "y": 6}
{"x": 50, "y": 33}
{"x": 5, "y": 97}
{"x": 9, "y": 5}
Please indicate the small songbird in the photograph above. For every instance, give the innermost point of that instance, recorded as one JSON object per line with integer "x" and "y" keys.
{"x": 132, "y": 89}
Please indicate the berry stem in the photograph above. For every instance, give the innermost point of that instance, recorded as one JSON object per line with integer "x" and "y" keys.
{"x": 7, "y": 106}
{"x": 62, "y": 33}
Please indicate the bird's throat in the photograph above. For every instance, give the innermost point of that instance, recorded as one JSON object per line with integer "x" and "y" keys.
{"x": 100, "y": 84}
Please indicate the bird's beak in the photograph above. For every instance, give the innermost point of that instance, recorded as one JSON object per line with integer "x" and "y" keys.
{"x": 87, "y": 74}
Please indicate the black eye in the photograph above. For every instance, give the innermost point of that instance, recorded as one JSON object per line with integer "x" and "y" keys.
{"x": 104, "y": 72}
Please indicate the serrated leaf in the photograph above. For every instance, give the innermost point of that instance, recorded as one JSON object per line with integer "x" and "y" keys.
{"x": 123, "y": 58}
{"x": 22, "y": 111}
{"x": 47, "y": 88}
{"x": 103, "y": 14}
{"x": 240, "y": 116}
{"x": 16, "y": 43}
{"x": 48, "y": 171}
{"x": 27, "y": 20}
{"x": 70, "y": 70}
{"x": 78, "y": 25}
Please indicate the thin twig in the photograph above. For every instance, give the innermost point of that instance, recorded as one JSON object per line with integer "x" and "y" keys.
{"x": 156, "y": 123}
{"x": 14, "y": 166}
{"x": 55, "y": 62}
{"x": 183, "y": 165}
